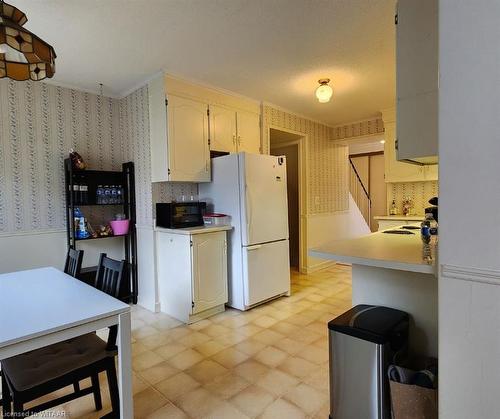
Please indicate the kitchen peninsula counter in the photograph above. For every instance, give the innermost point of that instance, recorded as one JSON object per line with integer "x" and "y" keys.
{"x": 388, "y": 270}
{"x": 391, "y": 251}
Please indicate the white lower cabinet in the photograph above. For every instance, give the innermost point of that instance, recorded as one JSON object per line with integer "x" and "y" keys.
{"x": 192, "y": 272}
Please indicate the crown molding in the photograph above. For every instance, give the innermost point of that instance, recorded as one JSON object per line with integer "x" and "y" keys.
{"x": 360, "y": 121}
{"x": 389, "y": 115}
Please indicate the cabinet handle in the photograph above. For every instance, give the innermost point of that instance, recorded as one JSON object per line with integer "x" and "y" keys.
{"x": 254, "y": 247}
{"x": 239, "y": 140}
{"x": 234, "y": 138}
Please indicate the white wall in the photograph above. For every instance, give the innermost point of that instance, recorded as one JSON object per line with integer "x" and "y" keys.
{"x": 37, "y": 249}
{"x": 324, "y": 228}
{"x": 469, "y": 149}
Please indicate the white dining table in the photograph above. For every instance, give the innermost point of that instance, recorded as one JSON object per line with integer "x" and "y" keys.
{"x": 40, "y": 307}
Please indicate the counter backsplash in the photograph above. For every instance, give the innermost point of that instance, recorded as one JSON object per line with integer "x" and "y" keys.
{"x": 418, "y": 192}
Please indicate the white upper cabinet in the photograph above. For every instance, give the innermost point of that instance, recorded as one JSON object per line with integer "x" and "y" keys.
{"x": 234, "y": 130}
{"x": 397, "y": 171}
{"x": 189, "y": 151}
{"x": 188, "y": 120}
{"x": 248, "y": 136}
{"x": 180, "y": 150}
{"x": 417, "y": 80}
{"x": 222, "y": 129}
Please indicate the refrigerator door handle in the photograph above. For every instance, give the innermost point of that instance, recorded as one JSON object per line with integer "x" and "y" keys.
{"x": 248, "y": 210}
{"x": 254, "y": 247}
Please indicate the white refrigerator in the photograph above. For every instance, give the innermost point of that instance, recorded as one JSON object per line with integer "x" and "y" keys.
{"x": 251, "y": 188}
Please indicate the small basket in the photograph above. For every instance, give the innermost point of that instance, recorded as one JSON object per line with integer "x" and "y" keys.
{"x": 120, "y": 227}
{"x": 216, "y": 219}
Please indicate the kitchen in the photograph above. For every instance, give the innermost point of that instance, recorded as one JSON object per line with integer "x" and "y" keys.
{"x": 223, "y": 326}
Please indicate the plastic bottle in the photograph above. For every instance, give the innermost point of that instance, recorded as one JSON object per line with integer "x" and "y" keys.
{"x": 107, "y": 194}
{"x": 80, "y": 225}
{"x": 428, "y": 234}
{"x": 119, "y": 194}
{"x": 76, "y": 193}
{"x": 114, "y": 194}
{"x": 425, "y": 230}
{"x": 84, "y": 193}
{"x": 433, "y": 228}
{"x": 99, "y": 194}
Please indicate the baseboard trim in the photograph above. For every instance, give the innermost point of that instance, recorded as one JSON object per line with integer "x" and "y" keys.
{"x": 471, "y": 274}
{"x": 319, "y": 266}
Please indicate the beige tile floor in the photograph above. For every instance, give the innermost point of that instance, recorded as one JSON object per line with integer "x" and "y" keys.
{"x": 270, "y": 362}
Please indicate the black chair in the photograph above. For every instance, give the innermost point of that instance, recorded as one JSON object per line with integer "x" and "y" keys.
{"x": 73, "y": 263}
{"x": 29, "y": 376}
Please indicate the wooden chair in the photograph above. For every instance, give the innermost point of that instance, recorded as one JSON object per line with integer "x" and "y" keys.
{"x": 29, "y": 376}
{"x": 73, "y": 263}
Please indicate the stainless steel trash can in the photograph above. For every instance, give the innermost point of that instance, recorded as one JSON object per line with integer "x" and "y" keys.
{"x": 364, "y": 341}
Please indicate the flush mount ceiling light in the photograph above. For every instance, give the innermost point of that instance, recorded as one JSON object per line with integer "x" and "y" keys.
{"x": 324, "y": 92}
{"x": 23, "y": 55}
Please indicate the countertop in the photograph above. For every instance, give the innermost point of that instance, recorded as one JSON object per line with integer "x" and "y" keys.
{"x": 193, "y": 230}
{"x": 400, "y": 217}
{"x": 392, "y": 251}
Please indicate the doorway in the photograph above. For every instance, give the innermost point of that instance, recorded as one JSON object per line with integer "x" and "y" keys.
{"x": 370, "y": 168}
{"x": 288, "y": 144}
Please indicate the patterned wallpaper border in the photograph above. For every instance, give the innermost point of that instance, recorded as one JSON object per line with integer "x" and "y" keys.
{"x": 358, "y": 129}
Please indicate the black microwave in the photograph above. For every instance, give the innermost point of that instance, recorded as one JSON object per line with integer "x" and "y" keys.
{"x": 180, "y": 214}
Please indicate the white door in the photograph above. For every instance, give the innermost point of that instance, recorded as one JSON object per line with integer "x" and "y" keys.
{"x": 248, "y": 124}
{"x": 264, "y": 198}
{"x": 189, "y": 152}
{"x": 209, "y": 259}
{"x": 266, "y": 269}
{"x": 222, "y": 129}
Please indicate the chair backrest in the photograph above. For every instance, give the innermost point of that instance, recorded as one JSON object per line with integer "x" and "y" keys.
{"x": 73, "y": 263}
{"x": 109, "y": 276}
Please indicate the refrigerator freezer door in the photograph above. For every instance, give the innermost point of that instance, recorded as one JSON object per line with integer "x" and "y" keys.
{"x": 267, "y": 271}
{"x": 264, "y": 215}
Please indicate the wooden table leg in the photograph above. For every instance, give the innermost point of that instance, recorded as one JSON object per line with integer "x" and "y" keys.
{"x": 125, "y": 367}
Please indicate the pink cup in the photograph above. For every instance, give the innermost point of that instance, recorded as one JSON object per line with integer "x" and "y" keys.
{"x": 119, "y": 227}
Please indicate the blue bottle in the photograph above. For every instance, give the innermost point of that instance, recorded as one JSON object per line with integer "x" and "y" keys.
{"x": 80, "y": 226}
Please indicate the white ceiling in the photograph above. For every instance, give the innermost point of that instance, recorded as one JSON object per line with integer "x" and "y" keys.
{"x": 271, "y": 50}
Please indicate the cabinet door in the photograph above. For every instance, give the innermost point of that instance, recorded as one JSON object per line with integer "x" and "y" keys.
{"x": 248, "y": 124}
{"x": 222, "y": 129}
{"x": 188, "y": 149}
{"x": 417, "y": 79}
{"x": 209, "y": 259}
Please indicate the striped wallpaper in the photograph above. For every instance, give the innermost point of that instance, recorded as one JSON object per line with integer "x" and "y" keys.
{"x": 40, "y": 123}
{"x": 327, "y": 177}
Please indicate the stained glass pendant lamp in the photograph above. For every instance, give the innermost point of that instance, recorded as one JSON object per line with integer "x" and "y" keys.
{"x": 23, "y": 55}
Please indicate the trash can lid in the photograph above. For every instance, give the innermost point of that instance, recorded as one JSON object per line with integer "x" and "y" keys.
{"x": 372, "y": 323}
